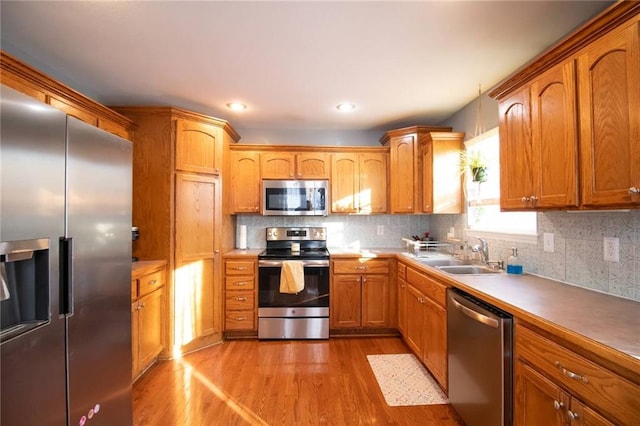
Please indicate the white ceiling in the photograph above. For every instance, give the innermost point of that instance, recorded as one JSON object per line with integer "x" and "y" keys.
{"x": 290, "y": 62}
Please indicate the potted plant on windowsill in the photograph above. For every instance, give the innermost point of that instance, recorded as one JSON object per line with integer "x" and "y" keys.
{"x": 475, "y": 163}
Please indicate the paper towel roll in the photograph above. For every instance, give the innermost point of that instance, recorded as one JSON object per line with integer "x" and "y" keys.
{"x": 242, "y": 238}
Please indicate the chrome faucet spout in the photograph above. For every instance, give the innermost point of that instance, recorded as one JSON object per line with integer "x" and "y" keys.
{"x": 483, "y": 248}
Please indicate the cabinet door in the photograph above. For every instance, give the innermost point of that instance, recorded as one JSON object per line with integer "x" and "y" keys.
{"x": 277, "y": 165}
{"x": 372, "y": 191}
{"x": 435, "y": 341}
{"x": 345, "y": 183}
{"x": 609, "y": 94}
{"x": 312, "y": 166}
{"x": 554, "y": 138}
{"x": 375, "y": 301}
{"x": 194, "y": 216}
{"x": 516, "y": 156}
{"x": 197, "y": 147}
{"x": 196, "y": 302}
{"x": 585, "y": 416}
{"x": 415, "y": 320}
{"x": 402, "y": 308}
{"x": 346, "y": 301}
{"x": 150, "y": 327}
{"x": 538, "y": 401}
{"x": 403, "y": 174}
{"x": 245, "y": 182}
{"x": 426, "y": 150}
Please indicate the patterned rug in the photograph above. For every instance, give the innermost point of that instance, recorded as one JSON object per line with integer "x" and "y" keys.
{"x": 403, "y": 380}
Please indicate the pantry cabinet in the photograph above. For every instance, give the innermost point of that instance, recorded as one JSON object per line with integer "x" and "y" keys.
{"x": 441, "y": 179}
{"x": 245, "y": 182}
{"x": 556, "y": 386}
{"x": 405, "y": 166}
{"x": 178, "y": 176}
{"x": 569, "y": 127}
{"x": 361, "y": 294}
{"x": 288, "y": 165}
{"x": 359, "y": 182}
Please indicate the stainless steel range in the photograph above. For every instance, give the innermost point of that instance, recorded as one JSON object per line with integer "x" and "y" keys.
{"x": 303, "y": 315}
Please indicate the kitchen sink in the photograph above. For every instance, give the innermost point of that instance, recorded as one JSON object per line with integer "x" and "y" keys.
{"x": 441, "y": 262}
{"x": 467, "y": 269}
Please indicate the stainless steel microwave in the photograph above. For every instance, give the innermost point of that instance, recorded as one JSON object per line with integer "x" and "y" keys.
{"x": 295, "y": 197}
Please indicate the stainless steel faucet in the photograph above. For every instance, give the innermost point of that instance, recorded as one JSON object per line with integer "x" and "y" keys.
{"x": 483, "y": 249}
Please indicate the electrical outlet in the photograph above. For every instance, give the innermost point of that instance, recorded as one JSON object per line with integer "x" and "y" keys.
{"x": 549, "y": 243}
{"x": 612, "y": 249}
{"x": 380, "y": 229}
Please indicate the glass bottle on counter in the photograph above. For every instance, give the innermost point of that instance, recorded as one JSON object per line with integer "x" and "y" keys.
{"x": 514, "y": 265}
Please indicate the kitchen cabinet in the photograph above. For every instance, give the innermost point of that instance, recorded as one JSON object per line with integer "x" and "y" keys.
{"x": 609, "y": 96}
{"x": 426, "y": 322}
{"x": 405, "y": 167}
{"x": 25, "y": 79}
{"x": 240, "y": 294}
{"x": 147, "y": 317}
{"x": 569, "y": 128}
{"x": 288, "y": 165}
{"x": 245, "y": 182}
{"x": 554, "y": 385}
{"x": 361, "y": 293}
{"x": 178, "y": 209}
{"x": 441, "y": 179}
{"x": 359, "y": 182}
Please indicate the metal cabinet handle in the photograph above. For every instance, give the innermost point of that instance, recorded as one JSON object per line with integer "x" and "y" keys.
{"x": 571, "y": 374}
{"x": 241, "y": 318}
{"x": 240, "y": 283}
{"x": 534, "y": 200}
{"x": 239, "y": 268}
{"x": 241, "y": 299}
{"x": 152, "y": 282}
{"x": 361, "y": 268}
{"x": 364, "y": 280}
{"x": 557, "y": 405}
{"x": 573, "y": 416}
{"x": 525, "y": 200}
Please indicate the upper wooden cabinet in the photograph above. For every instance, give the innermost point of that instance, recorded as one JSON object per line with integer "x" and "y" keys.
{"x": 287, "y": 165}
{"x": 25, "y": 79}
{"x": 245, "y": 182}
{"x": 198, "y": 147}
{"x": 405, "y": 169}
{"x": 359, "y": 183}
{"x": 569, "y": 122}
{"x": 441, "y": 179}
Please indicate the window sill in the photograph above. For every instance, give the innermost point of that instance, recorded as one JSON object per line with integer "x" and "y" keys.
{"x": 501, "y": 235}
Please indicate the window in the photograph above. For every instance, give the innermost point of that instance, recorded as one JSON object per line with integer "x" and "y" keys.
{"x": 483, "y": 198}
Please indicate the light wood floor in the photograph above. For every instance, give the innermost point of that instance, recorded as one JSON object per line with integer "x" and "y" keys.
{"x": 277, "y": 383}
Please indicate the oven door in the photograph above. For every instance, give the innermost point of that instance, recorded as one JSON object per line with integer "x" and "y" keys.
{"x": 316, "y": 286}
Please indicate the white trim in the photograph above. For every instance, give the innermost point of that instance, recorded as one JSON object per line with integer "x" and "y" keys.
{"x": 479, "y": 138}
{"x": 516, "y": 237}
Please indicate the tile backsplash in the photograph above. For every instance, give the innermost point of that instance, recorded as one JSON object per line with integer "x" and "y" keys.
{"x": 578, "y": 253}
{"x": 343, "y": 231}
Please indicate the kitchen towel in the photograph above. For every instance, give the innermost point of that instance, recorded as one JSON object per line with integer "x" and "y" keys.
{"x": 292, "y": 277}
{"x": 242, "y": 238}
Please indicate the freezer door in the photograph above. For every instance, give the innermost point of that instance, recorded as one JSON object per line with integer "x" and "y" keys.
{"x": 32, "y": 365}
{"x": 99, "y": 223}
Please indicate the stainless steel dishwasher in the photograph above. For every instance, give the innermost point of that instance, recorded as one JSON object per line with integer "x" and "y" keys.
{"x": 480, "y": 360}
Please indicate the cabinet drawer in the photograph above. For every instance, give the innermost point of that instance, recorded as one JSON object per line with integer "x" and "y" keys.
{"x": 592, "y": 383}
{"x": 239, "y": 320}
{"x": 239, "y": 283}
{"x": 361, "y": 266}
{"x": 134, "y": 289}
{"x": 239, "y": 300}
{"x": 239, "y": 267}
{"x": 150, "y": 282}
{"x": 432, "y": 289}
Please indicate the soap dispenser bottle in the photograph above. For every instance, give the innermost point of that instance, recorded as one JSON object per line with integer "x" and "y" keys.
{"x": 514, "y": 266}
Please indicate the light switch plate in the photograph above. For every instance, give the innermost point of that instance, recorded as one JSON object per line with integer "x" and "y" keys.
{"x": 612, "y": 249}
{"x": 380, "y": 229}
{"x": 549, "y": 243}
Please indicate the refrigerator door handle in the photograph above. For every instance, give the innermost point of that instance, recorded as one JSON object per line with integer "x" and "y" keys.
{"x": 66, "y": 276}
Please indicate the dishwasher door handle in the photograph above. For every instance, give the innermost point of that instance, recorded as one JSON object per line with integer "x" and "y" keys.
{"x": 477, "y": 316}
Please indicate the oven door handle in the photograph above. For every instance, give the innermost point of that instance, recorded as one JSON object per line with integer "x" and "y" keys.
{"x": 305, "y": 263}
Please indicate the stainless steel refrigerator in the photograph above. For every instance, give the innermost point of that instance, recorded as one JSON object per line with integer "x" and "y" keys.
{"x": 65, "y": 269}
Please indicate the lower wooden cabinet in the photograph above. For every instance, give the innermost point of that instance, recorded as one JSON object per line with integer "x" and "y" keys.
{"x": 240, "y": 294}
{"x": 555, "y": 386}
{"x": 361, "y": 294}
{"x": 422, "y": 316}
{"x": 147, "y": 318}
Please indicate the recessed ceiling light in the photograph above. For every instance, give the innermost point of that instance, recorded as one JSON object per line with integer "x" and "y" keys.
{"x": 236, "y": 106}
{"x": 346, "y": 107}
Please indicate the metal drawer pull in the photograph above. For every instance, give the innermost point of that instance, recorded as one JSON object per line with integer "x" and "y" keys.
{"x": 241, "y": 299}
{"x": 573, "y": 416}
{"x": 152, "y": 282}
{"x": 571, "y": 374}
{"x": 360, "y": 268}
{"x": 239, "y": 268}
{"x": 634, "y": 190}
{"x": 240, "y": 283}
{"x": 557, "y": 405}
{"x": 241, "y": 318}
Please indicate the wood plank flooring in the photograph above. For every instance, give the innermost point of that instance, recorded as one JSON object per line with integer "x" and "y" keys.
{"x": 248, "y": 382}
